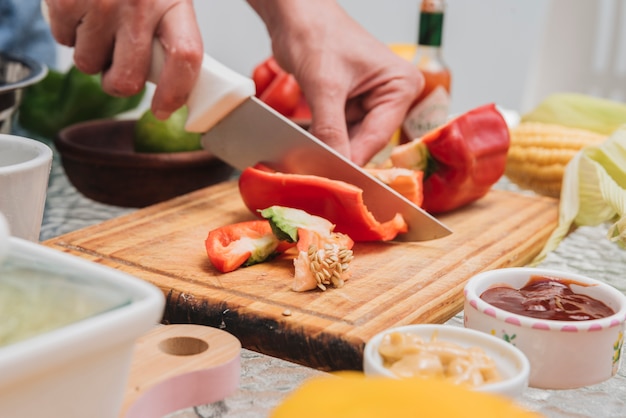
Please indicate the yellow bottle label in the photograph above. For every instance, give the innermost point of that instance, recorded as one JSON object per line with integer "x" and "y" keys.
{"x": 427, "y": 114}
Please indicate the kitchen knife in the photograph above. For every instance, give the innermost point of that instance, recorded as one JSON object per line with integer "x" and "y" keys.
{"x": 243, "y": 131}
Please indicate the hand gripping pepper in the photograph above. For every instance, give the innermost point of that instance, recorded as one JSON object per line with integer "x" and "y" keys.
{"x": 461, "y": 159}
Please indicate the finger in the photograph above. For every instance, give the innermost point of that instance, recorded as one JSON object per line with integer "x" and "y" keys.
{"x": 127, "y": 73}
{"x": 182, "y": 41}
{"x": 64, "y": 18}
{"x": 383, "y": 112}
{"x": 328, "y": 122}
{"x": 373, "y": 132}
{"x": 94, "y": 40}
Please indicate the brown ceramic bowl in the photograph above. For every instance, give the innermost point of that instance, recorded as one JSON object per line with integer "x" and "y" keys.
{"x": 99, "y": 160}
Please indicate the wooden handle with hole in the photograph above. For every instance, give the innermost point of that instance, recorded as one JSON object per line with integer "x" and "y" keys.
{"x": 180, "y": 366}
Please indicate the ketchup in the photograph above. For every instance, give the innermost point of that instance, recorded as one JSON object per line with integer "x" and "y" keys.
{"x": 547, "y": 298}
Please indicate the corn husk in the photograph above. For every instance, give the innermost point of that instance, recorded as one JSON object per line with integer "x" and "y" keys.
{"x": 594, "y": 192}
{"x": 579, "y": 111}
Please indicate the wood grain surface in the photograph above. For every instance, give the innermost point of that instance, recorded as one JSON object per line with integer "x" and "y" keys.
{"x": 392, "y": 283}
{"x": 180, "y": 366}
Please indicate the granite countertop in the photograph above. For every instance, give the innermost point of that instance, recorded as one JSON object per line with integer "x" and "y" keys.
{"x": 265, "y": 380}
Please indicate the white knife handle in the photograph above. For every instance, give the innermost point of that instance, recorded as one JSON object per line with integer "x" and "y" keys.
{"x": 216, "y": 93}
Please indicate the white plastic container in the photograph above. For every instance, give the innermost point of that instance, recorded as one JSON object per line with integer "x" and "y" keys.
{"x": 79, "y": 369}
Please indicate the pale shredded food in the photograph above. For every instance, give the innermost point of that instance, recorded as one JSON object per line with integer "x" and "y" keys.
{"x": 410, "y": 355}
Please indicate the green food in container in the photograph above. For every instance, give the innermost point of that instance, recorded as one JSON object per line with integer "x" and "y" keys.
{"x": 154, "y": 135}
{"x": 62, "y": 99}
{"x": 35, "y": 298}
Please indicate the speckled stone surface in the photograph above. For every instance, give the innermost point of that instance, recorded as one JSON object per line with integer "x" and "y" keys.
{"x": 265, "y": 380}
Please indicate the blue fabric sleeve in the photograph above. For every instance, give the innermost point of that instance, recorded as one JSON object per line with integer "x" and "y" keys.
{"x": 24, "y": 32}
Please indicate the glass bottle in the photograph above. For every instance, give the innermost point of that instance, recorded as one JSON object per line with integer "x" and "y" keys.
{"x": 431, "y": 108}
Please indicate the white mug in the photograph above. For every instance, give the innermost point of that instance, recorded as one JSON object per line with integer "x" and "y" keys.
{"x": 24, "y": 173}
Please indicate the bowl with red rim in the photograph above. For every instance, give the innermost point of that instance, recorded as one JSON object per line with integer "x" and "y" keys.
{"x": 571, "y": 327}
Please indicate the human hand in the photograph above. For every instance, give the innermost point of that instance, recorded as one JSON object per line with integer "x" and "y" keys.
{"x": 357, "y": 88}
{"x": 115, "y": 37}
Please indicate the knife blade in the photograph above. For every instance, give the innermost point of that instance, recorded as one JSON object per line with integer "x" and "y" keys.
{"x": 243, "y": 131}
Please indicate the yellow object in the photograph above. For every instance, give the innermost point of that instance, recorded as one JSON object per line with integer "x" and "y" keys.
{"x": 352, "y": 395}
{"x": 404, "y": 50}
{"x": 539, "y": 153}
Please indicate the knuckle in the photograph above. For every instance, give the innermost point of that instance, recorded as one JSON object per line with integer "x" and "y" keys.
{"x": 127, "y": 85}
{"x": 189, "y": 53}
{"x": 62, "y": 5}
{"x": 85, "y": 64}
{"x": 331, "y": 134}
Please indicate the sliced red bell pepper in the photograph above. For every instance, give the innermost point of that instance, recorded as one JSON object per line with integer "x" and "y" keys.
{"x": 264, "y": 73}
{"x": 280, "y": 90}
{"x": 242, "y": 244}
{"x": 302, "y": 112}
{"x": 334, "y": 248}
{"x": 283, "y": 94}
{"x": 339, "y": 202}
{"x": 463, "y": 158}
{"x": 405, "y": 181}
{"x": 324, "y": 255}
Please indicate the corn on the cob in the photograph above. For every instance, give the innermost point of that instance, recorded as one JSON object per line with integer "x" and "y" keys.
{"x": 539, "y": 153}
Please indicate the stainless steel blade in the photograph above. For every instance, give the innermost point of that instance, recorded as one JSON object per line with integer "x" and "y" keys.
{"x": 254, "y": 132}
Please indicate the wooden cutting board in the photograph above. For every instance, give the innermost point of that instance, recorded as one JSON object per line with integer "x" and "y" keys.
{"x": 392, "y": 283}
{"x": 180, "y": 366}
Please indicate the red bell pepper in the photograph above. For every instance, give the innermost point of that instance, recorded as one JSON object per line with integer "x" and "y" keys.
{"x": 280, "y": 90}
{"x": 323, "y": 256}
{"x": 264, "y": 74}
{"x": 339, "y": 202}
{"x": 242, "y": 244}
{"x": 461, "y": 159}
{"x": 405, "y": 181}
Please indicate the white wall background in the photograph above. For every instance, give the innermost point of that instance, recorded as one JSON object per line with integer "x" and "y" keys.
{"x": 511, "y": 52}
{"x": 487, "y": 43}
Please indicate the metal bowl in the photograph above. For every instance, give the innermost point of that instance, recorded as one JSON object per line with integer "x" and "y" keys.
{"x": 16, "y": 73}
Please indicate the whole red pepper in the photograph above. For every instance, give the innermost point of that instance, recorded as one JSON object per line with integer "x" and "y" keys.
{"x": 463, "y": 158}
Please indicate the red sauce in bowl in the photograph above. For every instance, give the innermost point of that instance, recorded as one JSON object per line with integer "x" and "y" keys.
{"x": 547, "y": 298}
